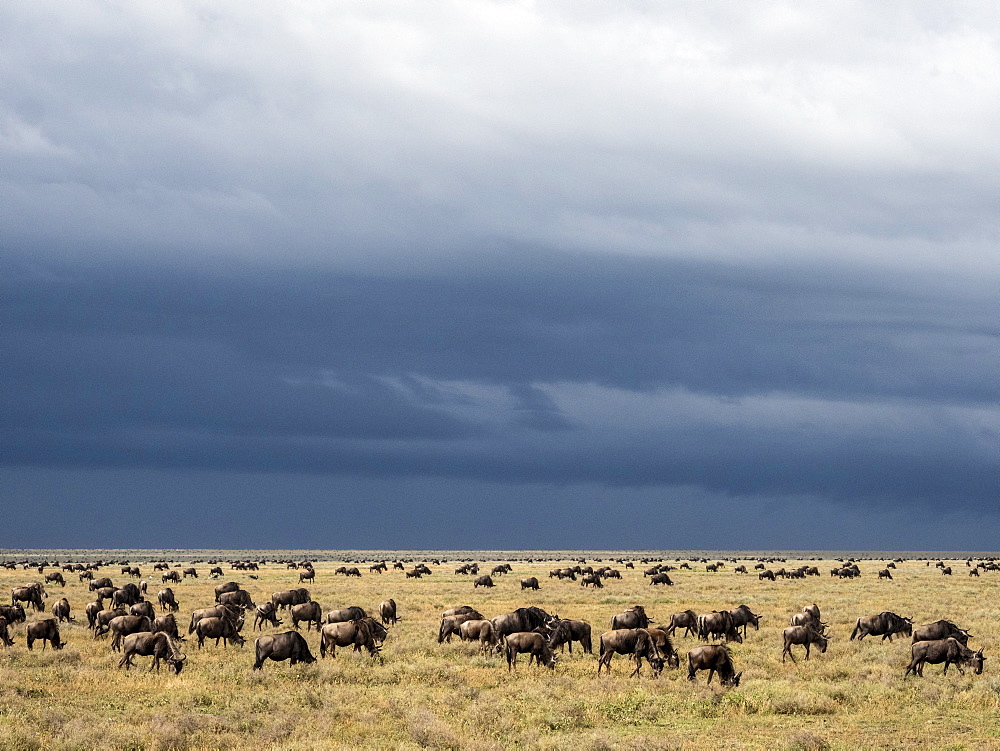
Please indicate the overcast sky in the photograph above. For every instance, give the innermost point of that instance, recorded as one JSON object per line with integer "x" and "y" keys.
{"x": 500, "y": 274}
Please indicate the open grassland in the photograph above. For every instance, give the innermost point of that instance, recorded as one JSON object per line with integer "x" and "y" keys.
{"x": 425, "y": 694}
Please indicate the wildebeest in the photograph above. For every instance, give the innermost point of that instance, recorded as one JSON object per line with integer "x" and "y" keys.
{"x": 451, "y": 624}
{"x": 309, "y": 575}
{"x": 344, "y": 634}
{"x": 629, "y": 641}
{"x": 522, "y": 619}
{"x": 718, "y": 623}
{"x": 483, "y": 581}
{"x": 591, "y": 580}
{"x": 387, "y": 612}
{"x": 885, "y": 574}
{"x": 743, "y": 616}
{"x": 769, "y": 574}
{"x": 32, "y": 594}
{"x": 125, "y": 595}
{"x": 289, "y": 597}
{"x": 715, "y": 658}
{"x": 215, "y": 571}
{"x": 884, "y": 624}
{"x": 530, "y": 583}
{"x": 167, "y": 600}
{"x": 351, "y": 613}
{"x": 218, "y": 628}
{"x": 4, "y": 634}
{"x": 660, "y": 579}
{"x": 239, "y": 598}
{"x": 265, "y": 613}
{"x": 96, "y": 584}
{"x": 55, "y": 577}
{"x": 158, "y": 645}
{"x": 481, "y": 631}
{"x": 310, "y": 612}
{"x": 290, "y": 645}
{"x": 123, "y": 625}
{"x": 227, "y": 587}
{"x": 167, "y": 624}
{"x": 531, "y": 643}
{"x": 950, "y": 651}
{"x": 216, "y": 611}
{"x": 143, "y": 607}
{"x": 103, "y": 620}
{"x": 61, "y": 610}
{"x": 190, "y": 572}
{"x": 688, "y": 620}
{"x": 13, "y": 613}
{"x": 940, "y": 630}
{"x": 803, "y": 635}
{"x": 566, "y": 631}
{"x": 47, "y": 631}
{"x": 664, "y": 646}
{"x": 634, "y": 617}
{"x": 170, "y": 576}
{"x": 947, "y": 572}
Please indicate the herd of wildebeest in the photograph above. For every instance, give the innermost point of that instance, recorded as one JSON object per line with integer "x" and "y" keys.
{"x": 138, "y": 627}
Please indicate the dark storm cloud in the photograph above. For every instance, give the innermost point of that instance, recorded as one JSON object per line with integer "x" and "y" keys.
{"x": 575, "y": 370}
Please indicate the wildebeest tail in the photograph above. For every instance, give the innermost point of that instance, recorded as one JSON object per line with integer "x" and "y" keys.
{"x": 857, "y": 627}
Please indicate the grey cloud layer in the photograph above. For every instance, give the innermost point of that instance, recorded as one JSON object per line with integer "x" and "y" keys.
{"x": 613, "y": 373}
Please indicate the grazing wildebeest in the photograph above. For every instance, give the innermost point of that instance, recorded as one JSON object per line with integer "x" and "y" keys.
{"x": 522, "y": 619}
{"x": 96, "y": 584}
{"x": 61, "y": 610}
{"x": 289, "y": 597}
{"x": 414, "y": 573}
{"x": 310, "y": 612}
{"x": 688, "y": 620}
{"x": 769, "y": 574}
{"x": 143, "y": 607}
{"x": 451, "y": 624}
{"x": 946, "y": 571}
{"x": 13, "y": 613}
{"x": 168, "y": 625}
{"x": 531, "y": 643}
{"x": 715, "y": 658}
{"x": 629, "y": 641}
{"x": 239, "y": 598}
{"x": 167, "y": 600}
{"x": 170, "y": 576}
{"x": 344, "y": 634}
{"x": 803, "y": 635}
{"x": 387, "y": 612}
{"x": 740, "y": 570}
{"x": 215, "y": 571}
{"x": 218, "y": 628}
{"x": 718, "y": 623}
{"x": 159, "y": 645}
{"x": 227, "y": 587}
{"x": 884, "y": 624}
{"x": 941, "y": 630}
{"x": 483, "y": 581}
{"x": 634, "y": 617}
{"x": 265, "y": 613}
{"x": 481, "y": 631}
{"x": 565, "y": 632}
{"x": 664, "y": 646}
{"x": 290, "y": 645}
{"x": 103, "y": 619}
{"x": 950, "y": 651}
{"x": 660, "y": 579}
{"x": 343, "y": 615}
{"x": 4, "y": 634}
{"x": 55, "y": 577}
{"x": 309, "y": 575}
{"x": 190, "y": 572}
{"x": 216, "y": 611}
{"x": 530, "y": 583}
{"x": 885, "y": 574}
{"x": 125, "y": 596}
{"x": 591, "y": 580}
{"x": 47, "y": 631}
{"x": 973, "y": 572}
{"x": 31, "y": 594}
{"x": 123, "y": 625}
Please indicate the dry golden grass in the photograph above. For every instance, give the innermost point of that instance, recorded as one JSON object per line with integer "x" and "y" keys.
{"x": 425, "y": 694}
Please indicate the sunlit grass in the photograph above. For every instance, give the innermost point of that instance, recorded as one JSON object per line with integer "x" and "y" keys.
{"x": 423, "y": 694}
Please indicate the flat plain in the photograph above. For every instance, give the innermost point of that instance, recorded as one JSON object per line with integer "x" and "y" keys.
{"x": 424, "y": 694}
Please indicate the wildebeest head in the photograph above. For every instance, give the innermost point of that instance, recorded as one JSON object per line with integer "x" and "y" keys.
{"x": 733, "y": 681}
{"x": 976, "y": 662}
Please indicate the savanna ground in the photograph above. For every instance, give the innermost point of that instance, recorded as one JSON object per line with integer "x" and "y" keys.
{"x": 425, "y": 694}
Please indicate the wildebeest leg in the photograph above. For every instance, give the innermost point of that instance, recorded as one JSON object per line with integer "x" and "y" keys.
{"x": 638, "y": 664}
{"x": 807, "y": 649}
{"x": 711, "y": 672}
